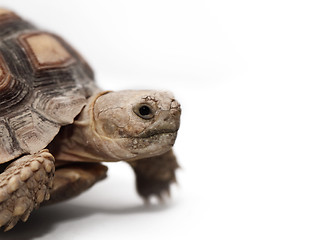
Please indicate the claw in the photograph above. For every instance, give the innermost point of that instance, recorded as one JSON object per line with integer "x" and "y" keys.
{"x": 26, "y": 215}
{"x": 160, "y": 198}
{"x": 11, "y": 224}
{"x": 21, "y": 205}
{"x": 147, "y": 201}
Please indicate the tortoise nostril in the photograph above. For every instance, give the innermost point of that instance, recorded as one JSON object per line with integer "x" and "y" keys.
{"x": 175, "y": 105}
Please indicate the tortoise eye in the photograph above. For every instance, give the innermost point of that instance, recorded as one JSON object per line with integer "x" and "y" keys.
{"x": 143, "y": 111}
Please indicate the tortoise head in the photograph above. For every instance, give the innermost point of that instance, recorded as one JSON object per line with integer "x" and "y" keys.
{"x": 129, "y": 125}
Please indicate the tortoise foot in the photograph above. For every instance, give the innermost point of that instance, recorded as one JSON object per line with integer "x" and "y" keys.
{"x": 155, "y": 175}
{"x": 24, "y": 184}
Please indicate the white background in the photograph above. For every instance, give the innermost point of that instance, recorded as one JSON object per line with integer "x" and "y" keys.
{"x": 242, "y": 72}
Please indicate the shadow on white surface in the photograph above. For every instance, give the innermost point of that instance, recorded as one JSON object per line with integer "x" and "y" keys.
{"x": 45, "y": 220}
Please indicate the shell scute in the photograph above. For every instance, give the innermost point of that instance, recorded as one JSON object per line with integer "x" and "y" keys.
{"x": 45, "y": 51}
{"x": 44, "y": 84}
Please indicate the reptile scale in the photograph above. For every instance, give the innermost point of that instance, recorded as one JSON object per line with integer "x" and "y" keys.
{"x": 57, "y": 126}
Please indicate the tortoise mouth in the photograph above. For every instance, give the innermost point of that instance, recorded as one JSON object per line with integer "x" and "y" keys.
{"x": 153, "y": 142}
{"x": 152, "y": 133}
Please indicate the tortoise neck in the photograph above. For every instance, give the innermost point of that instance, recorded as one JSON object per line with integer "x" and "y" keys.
{"x": 80, "y": 142}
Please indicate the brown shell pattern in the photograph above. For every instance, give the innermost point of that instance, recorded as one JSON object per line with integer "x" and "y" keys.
{"x": 44, "y": 84}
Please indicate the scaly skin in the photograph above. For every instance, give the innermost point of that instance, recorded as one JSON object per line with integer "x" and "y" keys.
{"x": 154, "y": 175}
{"x": 71, "y": 179}
{"x": 139, "y": 127}
{"x": 111, "y": 128}
{"x": 23, "y": 186}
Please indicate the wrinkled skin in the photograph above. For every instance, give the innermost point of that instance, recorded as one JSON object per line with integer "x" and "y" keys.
{"x": 111, "y": 127}
{"x": 139, "y": 127}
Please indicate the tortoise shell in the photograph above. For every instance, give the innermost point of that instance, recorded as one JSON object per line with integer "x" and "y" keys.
{"x": 44, "y": 84}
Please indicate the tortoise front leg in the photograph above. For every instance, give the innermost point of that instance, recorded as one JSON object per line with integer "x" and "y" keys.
{"x": 24, "y": 184}
{"x": 154, "y": 175}
{"x": 71, "y": 179}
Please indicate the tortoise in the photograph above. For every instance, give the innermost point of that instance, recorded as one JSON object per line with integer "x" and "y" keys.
{"x": 57, "y": 126}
